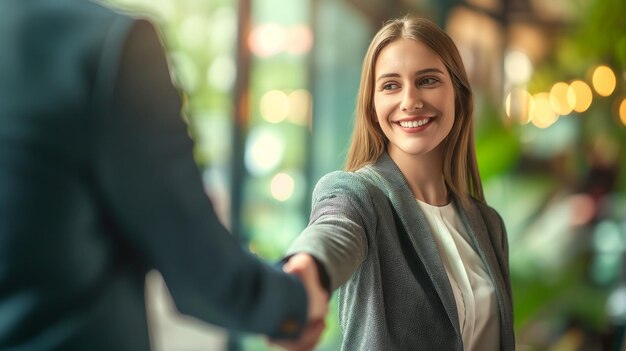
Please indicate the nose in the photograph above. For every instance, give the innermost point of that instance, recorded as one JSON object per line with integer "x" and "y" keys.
{"x": 411, "y": 100}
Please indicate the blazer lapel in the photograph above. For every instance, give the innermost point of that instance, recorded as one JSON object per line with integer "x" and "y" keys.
{"x": 389, "y": 176}
{"x": 478, "y": 231}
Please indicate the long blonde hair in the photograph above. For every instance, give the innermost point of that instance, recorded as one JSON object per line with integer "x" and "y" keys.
{"x": 460, "y": 169}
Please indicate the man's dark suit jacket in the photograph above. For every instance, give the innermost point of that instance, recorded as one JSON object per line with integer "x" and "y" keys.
{"x": 98, "y": 186}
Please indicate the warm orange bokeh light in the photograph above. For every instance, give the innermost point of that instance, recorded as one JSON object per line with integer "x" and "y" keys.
{"x": 300, "y": 39}
{"x": 282, "y": 186}
{"x": 267, "y": 39}
{"x": 274, "y": 106}
{"x": 543, "y": 116}
{"x": 519, "y": 106}
{"x": 300, "y": 107}
{"x": 579, "y": 95}
{"x": 604, "y": 80}
{"x": 558, "y": 99}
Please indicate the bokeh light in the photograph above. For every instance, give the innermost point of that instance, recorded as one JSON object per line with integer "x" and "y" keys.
{"x": 579, "y": 96}
{"x": 264, "y": 151}
{"x": 519, "y": 106}
{"x": 616, "y": 304}
{"x": 274, "y": 106}
{"x": 608, "y": 237}
{"x": 267, "y": 39}
{"x": 193, "y": 32}
{"x": 558, "y": 99}
{"x": 517, "y": 67}
{"x": 222, "y": 30}
{"x": 543, "y": 114}
{"x": 604, "y": 80}
{"x": 299, "y": 107}
{"x": 222, "y": 73}
{"x": 282, "y": 186}
{"x": 583, "y": 209}
{"x": 300, "y": 40}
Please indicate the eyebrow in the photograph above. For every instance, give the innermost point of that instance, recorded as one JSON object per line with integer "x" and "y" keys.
{"x": 422, "y": 71}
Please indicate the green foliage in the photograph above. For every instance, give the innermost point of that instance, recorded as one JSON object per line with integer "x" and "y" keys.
{"x": 602, "y": 34}
{"x": 497, "y": 146}
{"x": 543, "y": 295}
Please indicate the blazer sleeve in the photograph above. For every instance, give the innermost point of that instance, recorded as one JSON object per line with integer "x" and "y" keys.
{"x": 341, "y": 212}
{"x": 154, "y": 197}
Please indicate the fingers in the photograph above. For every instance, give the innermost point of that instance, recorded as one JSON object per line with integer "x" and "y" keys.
{"x": 304, "y": 266}
{"x": 318, "y": 306}
{"x": 306, "y": 342}
{"x": 299, "y": 263}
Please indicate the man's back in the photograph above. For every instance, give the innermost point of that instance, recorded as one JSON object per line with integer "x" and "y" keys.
{"x": 55, "y": 271}
{"x": 98, "y": 185}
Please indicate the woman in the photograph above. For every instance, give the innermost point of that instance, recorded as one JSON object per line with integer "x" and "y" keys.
{"x": 404, "y": 234}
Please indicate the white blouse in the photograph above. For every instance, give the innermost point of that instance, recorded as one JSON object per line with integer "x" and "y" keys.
{"x": 474, "y": 293}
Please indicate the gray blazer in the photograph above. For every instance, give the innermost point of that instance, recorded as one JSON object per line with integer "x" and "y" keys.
{"x": 370, "y": 235}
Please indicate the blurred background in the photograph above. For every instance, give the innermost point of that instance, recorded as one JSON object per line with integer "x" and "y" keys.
{"x": 270, "y": 89}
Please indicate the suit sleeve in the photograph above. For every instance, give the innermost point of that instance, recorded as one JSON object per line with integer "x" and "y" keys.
{"x": 336, "y": 234}
{"x": 153, "y": 194}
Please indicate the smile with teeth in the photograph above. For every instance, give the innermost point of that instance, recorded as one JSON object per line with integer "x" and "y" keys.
{"x": 414, "y": 124}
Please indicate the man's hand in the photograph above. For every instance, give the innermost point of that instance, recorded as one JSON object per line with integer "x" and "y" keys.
{"x": 304, "y": 266}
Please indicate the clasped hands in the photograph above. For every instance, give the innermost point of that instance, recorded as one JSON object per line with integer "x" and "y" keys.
{"x": 304, "y": 266}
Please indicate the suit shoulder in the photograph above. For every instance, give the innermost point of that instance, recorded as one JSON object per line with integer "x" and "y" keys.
{"x": 76, "y": 27}
{"x": 490, "y": 215}
{"x": 484, "y": 207}
{"x": 74, "y": 13}
{"x": 349, "y": 185}
{"x": 344, "y": 180}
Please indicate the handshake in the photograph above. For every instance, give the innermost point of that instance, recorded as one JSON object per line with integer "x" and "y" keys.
{"x": 305, "y": 267}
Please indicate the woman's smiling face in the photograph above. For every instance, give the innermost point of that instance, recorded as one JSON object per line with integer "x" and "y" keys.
{"x": 413, "y": 97}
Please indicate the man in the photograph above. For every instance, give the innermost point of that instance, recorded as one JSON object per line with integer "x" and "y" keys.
{"x": 98, "y": 186}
